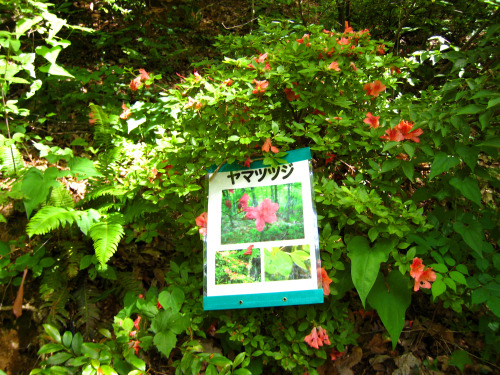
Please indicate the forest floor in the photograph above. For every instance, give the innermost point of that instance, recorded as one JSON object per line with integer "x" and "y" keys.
{"x": 431, "y": 332}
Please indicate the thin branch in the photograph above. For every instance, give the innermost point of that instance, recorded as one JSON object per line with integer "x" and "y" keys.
{"x": 234, "y": 27}
{"x": 401, "y": 25}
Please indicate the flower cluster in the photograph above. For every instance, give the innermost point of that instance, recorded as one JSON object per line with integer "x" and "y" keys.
{"x": 201, "y": 221}
{"x": 423, "y": 278}
{"x": 374, "y": 88}
{"x": 325, "y": 280}
{"x": 264, "y": 213}
{"x": 135, "y": 84}
{"x": 403, "y": 131}
{"x": 317, "y": 338}
{"x": 371, "y": 120}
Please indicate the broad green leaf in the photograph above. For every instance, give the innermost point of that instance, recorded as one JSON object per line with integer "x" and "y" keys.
{"x": 391, "y": 302}
{"x": 460, "y": 358}
{"x": 108, "y": 370}
{"x": 238, "y": 359}
{"x": 278, "y": 261}
{"x": 299, "y": 257}
{"x": 493, "y": 102}
{"x": 491, "y": 142}
{"x": 365, "y": 263}
{"x": 468, "y": 187}
{"x": 470, "y": 109}
{"x": 50, "y": 348}
{"x": 468, "y": 155}
{"x": 52, "y": 332}
{"x": 472, "y": 234}
{"x": 408, "y": 169}
{"x": 438, "y": 287}
{"x": 458, "y": 277}
{"x": 172, "y": 300}
{"x": 83, "y": 168}
{"x": 76, "y": 343}
{"x": 67, "y": 338}
{"x": 59, "y": 358}
{"x": 56, "y": 70}
{"x": 165, "y": 341}
{"x": 133, "y": 123}
{"x": 494, "y": 305}
{"x": 442, "y": 163}
{"x": 390, "y": 164}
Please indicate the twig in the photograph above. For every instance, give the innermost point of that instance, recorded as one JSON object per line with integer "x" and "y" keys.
{"x": 401, "y": 24}
{"x": 234, "y": 27}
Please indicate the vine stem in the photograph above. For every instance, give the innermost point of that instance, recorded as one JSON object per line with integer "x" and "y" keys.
{"x": 7, "y": 123}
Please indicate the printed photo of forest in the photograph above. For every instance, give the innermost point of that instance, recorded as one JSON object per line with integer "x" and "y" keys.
{"x": 257, "y": 214}
{"x": 237, "y": 266}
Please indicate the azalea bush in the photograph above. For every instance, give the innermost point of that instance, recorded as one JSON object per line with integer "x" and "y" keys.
{"x": 404, "y": 194}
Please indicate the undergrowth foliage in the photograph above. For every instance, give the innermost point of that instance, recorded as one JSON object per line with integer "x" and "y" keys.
{"x": 404, "y": 189}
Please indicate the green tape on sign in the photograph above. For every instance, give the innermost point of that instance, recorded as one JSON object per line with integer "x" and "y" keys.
{"x": 245, "y": 301}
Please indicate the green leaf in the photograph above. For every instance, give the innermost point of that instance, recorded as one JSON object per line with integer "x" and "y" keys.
{"x": 299, "y": 257}
{"x": 76, "y": 343}
{"x": 409, "y": 148}
{"x": 468, "y": 155}
{"x": 470, "y": 109}
{"x": 438, "y": 288}
{"x": 468, "y": 187}
{"x": 233, "y": 138}
{"x": 50, "y": 218}
{"x": 391, "y": 302}
{"x": 59, "y": 358}
{"x": 365, "y": 263}
{"x": 238, "y": 359}
{"x": 108, "y": 370}
{"x": 165, "y": 341}
{"x": 389, "y": 165}
{"x": 56, "y": 70}
{"x": 52, "y": 332}
{"x": 494, "y": 305}
{"x": 460, "y": 358}
{"x": 133, "y": 123}
{"x": 67, "y": 338}
{"x": 83, "y": 167}
{"x": 493, "y": 102}
{"x": 442, "y": 163}
{"x": 172, "y": 300}
{"x": 50, "y": 348}
{"x": 472, "y": 234}
{"x": 408, "y": 169}
{"x": 106, "y": 238}
{"x": 491, "y": 142}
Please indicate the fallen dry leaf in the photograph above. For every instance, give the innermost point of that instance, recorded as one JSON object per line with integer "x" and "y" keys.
{"x": 17, "y": 308}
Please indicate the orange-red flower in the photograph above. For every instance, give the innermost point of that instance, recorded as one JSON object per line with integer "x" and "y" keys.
{"x": 249, "y": 250}
{"x": 348, "y": 29}
{"x": 263, "y": 213}
{"x": 381, "y": 49}
{"x": 335, "y": 354}
{"x": 243, "y": 202}
{"x": 343, "y": 41}
{"x": 326, "y": 281}
{"x": 393, "y": 135}
{"x": 201, "y": 221}
{"x": 405, "y": 127}
{"x": 268, "y": 146}
{"x": 197, "y": 76}
{"x": 248, "y": 162}
{"x": 330, "y": 158}
{"x": 371, "y": 120}
{"x": 144, "y": 75}
{"x": 291, "y": 95}
{"x": 228, "y": 203}
{"x": 135, "y": 83}
{"x": 374, "y": 88}
{"x": 260, "y": 86}
{"x": 423, "y": 278}
{"x": 92, "y": 120}
{"x": 126, "y": 112}
{"x": 395, "y": 69}
{"x": 312, "y": 339}
{"x": 305, "y": 38}
{"x": 353, "y": 66}
{"x": 137, "y": 321}
{"x": 228, "y": 82}
{"x": 323, "y": 336}
{"x": 334, "y": 66}
{"x": 195, "y": 104}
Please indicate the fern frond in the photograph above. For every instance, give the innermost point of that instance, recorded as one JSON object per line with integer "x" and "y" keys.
{"x": 60, "y": 197}
{"x": 88, "y": 312}
{"x": 106, "y": 237}
{"x": 138, "y": 208}
{"x": 129, "y": 282}
{"x": 107, "y": 190}
{"x": 8, "y": 163}
{"x": 54, "y": 292}
{"x": 50, "y": 218}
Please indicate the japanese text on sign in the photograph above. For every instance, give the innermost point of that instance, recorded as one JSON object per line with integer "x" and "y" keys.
{"x": 285, "y": 170}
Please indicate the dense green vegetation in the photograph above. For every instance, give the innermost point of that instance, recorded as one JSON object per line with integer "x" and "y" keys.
{"x": 111, "y": 113}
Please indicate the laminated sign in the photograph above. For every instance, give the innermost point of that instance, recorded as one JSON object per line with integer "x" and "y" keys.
{"x": 262, "y": 246}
